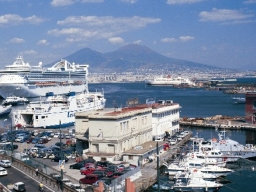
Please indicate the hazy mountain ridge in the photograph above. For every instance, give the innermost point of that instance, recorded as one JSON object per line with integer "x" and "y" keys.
{"x": 130, "y": 58}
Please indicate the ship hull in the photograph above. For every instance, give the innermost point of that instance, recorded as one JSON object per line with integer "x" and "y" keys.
{"x": 49, "y": 113}
{"x": 31, "y": 91}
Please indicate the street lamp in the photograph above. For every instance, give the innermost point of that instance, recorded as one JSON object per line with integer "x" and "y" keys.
{"x": 11, "y": 138}
{"x": 61, "y": 162}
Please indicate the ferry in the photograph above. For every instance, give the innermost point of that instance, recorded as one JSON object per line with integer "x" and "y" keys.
{"x": 22, "y": 80}
{"x": 56, "y": 108}
{"x": 170, "y": 81}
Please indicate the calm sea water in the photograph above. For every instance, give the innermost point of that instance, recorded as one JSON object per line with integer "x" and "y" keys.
{"x": 195, "y": 103}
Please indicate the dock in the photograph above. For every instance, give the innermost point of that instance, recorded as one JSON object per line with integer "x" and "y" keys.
{"x": 149, "y": 170}
{"x": 220, "y": 122}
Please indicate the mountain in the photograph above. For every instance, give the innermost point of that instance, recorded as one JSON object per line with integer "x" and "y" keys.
{"x": 131, "y": 58}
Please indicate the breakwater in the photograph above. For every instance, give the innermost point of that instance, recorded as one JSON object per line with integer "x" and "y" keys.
{"x": 218, "y": 122}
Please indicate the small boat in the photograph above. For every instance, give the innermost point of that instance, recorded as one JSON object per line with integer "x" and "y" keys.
{"x": 174, "y": 168}
{"x": 239, "y": 100}
{"x": 184, "y": 176}
{"x": 218, "y": 171}
{"x": 161, "y": 187}
{"x": 196, "y": 184}
{"x": 13, "y": 100}
{"x": 5, "y": 110}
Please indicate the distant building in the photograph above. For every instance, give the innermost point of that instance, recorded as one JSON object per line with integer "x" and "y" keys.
{"x": 250, "y": 108}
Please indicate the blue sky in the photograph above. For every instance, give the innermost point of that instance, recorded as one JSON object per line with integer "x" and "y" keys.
{"x": 214, "y": 32}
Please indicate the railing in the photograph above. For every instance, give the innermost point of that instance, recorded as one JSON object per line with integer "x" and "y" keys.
{"x": 118, "y": 184}
{"x": 42, "y": 177}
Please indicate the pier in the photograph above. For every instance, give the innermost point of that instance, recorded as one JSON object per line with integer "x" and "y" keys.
{"x": 149, "y": 170}
{"x": 218, "y": 122}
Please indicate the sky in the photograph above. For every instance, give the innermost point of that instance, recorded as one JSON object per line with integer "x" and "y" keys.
{"x": 220, "y": 33}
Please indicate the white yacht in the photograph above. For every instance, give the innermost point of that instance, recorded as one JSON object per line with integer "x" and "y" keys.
{"x": 230, "y": 148}
{"x": 196, "y": 173}
{"x": 173, "y": 168}
{"x": 197, "y": 184}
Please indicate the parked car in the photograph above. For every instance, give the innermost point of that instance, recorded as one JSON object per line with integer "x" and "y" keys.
{"x": 173, "y": 141}
{"x": 115, "y": 175}
{"x": 55, "y": 176}
{"x": 58, "y": 158}
{"x": 86, "y": 171}
{"x": 40, "y": 146}
{"x": 29, "y": 140}
{"x": 77, "y": 165}
{"x": 77, "y": 187}
{"x": 35, "y": 140}
{"x": 89, "y": 179}
{"x": 42, "y": 141}
{"x": 5, "y": 163}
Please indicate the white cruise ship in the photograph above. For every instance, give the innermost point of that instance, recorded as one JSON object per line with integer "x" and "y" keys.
{"x": 170, "y": 81}
{"x": 22, "y": 80}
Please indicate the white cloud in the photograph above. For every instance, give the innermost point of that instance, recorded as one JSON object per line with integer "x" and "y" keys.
{"x": 17, "y": 40}
{"x": 13, "y": 19}
{"x": 92, "y": 1}
{"x": 168, "y": 40}
{"x": 29, "y": 52}
{"x": 249, "y": 1}
{"x": 57, "y": 3}
{"x": 116, "y": 40}
{"x": 186, "y": 38}
{"x": 137, "y": 42}
{"x": 85, "y": 27}
{"x": 222, "y": 15}
{"x": 172, "y": 2}
{"x": 42, "y": 42}
{"x": 129, "y": 1}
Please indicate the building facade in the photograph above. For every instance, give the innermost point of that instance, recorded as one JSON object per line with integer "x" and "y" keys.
{"x": 114, "y": 131}
{"x": 250, "y": 108}
{"x": 165, "y": 119}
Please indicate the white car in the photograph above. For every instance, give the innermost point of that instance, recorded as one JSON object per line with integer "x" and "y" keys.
{"x": 5, "y": 163}
{"x": 67, "y": 182}
{"x": 77, "y": 187}
{"x": 18, "y": 139}
{"x": 3, "y": 171}
{"x": 173, "y": 141}
{"x": 19, "y": 186}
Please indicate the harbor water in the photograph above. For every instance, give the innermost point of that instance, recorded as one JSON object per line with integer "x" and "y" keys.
{"x": 194, "y": 102}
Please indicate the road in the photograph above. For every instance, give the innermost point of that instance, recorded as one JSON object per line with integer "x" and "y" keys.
{"x": 15, "y": 175}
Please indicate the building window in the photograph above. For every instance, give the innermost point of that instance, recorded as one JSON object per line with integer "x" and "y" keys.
{"x": 130, "y": 157}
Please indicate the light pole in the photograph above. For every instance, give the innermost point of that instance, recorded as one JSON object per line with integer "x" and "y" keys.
{"x": 11, "y": 138}
{"x": 61, "y": 162}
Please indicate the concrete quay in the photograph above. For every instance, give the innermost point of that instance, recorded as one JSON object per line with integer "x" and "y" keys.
{"x": 229, "y": 123}
{"x": 149, "y": 170}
